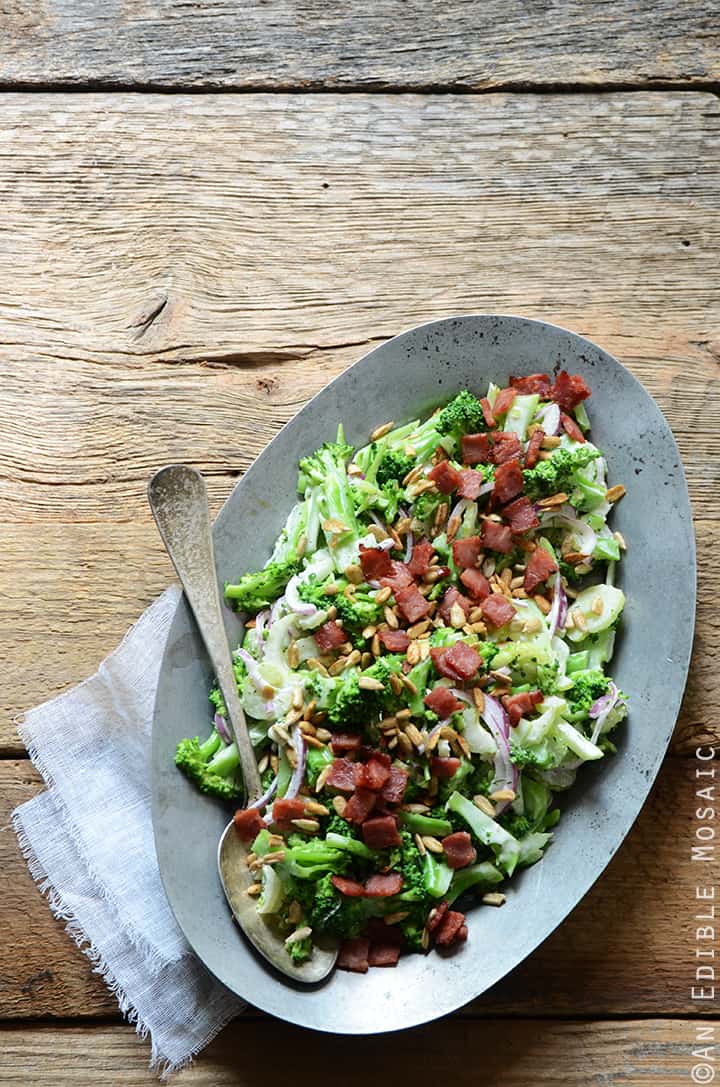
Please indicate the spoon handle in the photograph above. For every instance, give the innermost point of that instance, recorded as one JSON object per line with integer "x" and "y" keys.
{"x": 178, "y": 500}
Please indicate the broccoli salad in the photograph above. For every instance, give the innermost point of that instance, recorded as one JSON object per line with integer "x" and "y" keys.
{"x": 423, "y": 669}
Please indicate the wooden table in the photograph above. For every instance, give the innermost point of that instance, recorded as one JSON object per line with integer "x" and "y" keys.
{"x": 181, "y": 271}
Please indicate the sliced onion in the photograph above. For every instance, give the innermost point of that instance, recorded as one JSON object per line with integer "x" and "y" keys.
{"x": 601, "y": 709}
{"x": 582, "y": 534}
{"x": 558, "y": 611}
{"x": 292, "y": 598}
{"x": 266, "y": 796}
{"x": 410, "y": 543}
{"x": 222, "y": 729}
{"x": 486, "y": 488}
{"x": 260, "y": 684}
{"x": 380, "y": 524}
{"x": 549, "y": 418}
{"x": 433, "y": 731}
{"x": 260, "y": 623}
{"x": 275, "y": 610}
{"x": 459, "y": 508}
{"x": 298, "y": 774}
{"x": 506, "y": 775}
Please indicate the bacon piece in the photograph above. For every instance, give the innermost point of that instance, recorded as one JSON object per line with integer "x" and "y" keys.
{"x": 452, "y": 596}
{"x": 381, "y": 832}
{"x": 476, "y": 584}
{"x": 285, "y": 810}
{"x": 495, "y": 537}
{"x": 463, "y": 659}
{"x": 395, "y": 641}
{"x": 383, "y": 954}
{"x": 436, "y": 916}
{"x": 532, "y": 383}
{"x": 344, "y": 742}
{"x": 532, "y": 452}
{"x": 497, "y": 610}
{"x": 348, "y": 887}
{"x": 420, "y": 559}
{"x": 522, "y": 515}
{"x": 470, "y": 483}
{"x": 373, "y": 774}
{"x": 394, "y": 789}
{"x": 342, "y": 775}
{"x": 462, "y": 935}
{"x": 354, "y": 955}
{"x": 508, "y": 481}
{"x": 449, "y": 928}
{"x": 383, "y": 886}
{"x": 438, "y": 655}
{"x": 398, "y": 577}
{"x": 503, "y": 401}
{"x": 466, "y": 551}
{"x": 248, "y": 823}
{"x": 475, "y": 448}
{"x": 330, "y": 635}
{"x": 571, "y": 428}
{"x": 506, "y": 447}
{"x": 459, "y": 850}
{"x": 360, "y": 804}
{"x": 412, "y": 603}
{"x": 538, "y": 570}
{"x": 487, "y": 413}
{"x": 444, "y": 476}
{"x": 568, "y": 391}
{"x": 443, "y": 702}
{"x": 375, "y": 562}
{"x": 518, "y": 705}
{"x": 444, "y": 768}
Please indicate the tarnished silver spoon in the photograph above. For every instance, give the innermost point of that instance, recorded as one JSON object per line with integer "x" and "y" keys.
{"x": 178, "y": 500}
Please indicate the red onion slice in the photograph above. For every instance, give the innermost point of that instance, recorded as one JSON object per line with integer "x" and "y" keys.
{"x": 267, "y": 795}
{"x": 558, "y": 611}
{"x": 459, "y": 508}
{"x": 261, "y": 685}
{"x": 410, "y": 543}
{"x": 584, "y": 537}
{"x": 222, "y": 729}
{"x": 506, "y": 775}
{"x": 549, "y": 419}
{"x": 602, "y": 708}
{"x": 293, "y": 601}
{"x": 298, "y": 774}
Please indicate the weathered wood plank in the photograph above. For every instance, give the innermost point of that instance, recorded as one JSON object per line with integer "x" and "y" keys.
{"x": 639, "y": 913}
{"x": 507, "y": 1052}
{"x": 280, "y": 236}
{"x": 70, "y": 591}
{"x": 387, "y": 44}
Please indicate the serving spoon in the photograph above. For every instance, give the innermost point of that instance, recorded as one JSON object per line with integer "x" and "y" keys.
{"x": 178, "y": 500}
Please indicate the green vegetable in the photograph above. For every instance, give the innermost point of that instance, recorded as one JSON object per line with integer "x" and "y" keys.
{"x": 257, "y": 590}
{"x": 487, "y": 831}
{"x": 323, "y": 474}
{"x": 557, "y": 474}
{"x": 463, "y": 415}
{"x": 483, "y": 875}
{"x": 521, "y": 414}
{"x": 425, "y": 824}
{"x": 394, "y": 465}
{"x": 438, "y": 876}
{"x": 211, "y": 766}
{"x": 612, "y": 601}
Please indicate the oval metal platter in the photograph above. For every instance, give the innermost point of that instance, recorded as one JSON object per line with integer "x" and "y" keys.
{"x": 400, "y": 380}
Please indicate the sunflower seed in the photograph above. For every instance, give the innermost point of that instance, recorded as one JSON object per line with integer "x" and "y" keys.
{"x": 339, "y": 803}
{"x": 354, "y": 574}
{"x": 367, "y": 683}
{"x": 494, "y": 898}
{"x": 484, "y": 805}
{"x": 391, "y": 618}
{"x": 310, "y": 826}
{"x": 381, "y": 431}
{"x": 298, "y": 935}
{"x": 384, "y": 594}
{"x": 615, "y": 493}
{"x": 433, "y": 845}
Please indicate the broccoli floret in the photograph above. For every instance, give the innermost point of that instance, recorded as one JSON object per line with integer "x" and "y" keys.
{"x": 488, "y": 651}
{"x": 556, "y": 474}
{"x": 312, "y": 590}
{"x": 517, "y": 825}
{"x": 300, "y": 950}
{"x": 331, "y": 912}
{"x": 588, "y": 686}
{"x": 425, "y": 506}
{"x": 394, "y": 465}
{"x": 547, "y": 677}
{"x": 463, "y": 415}
{"x": 258, "y": 589}
{"x": 317, "y": 760}
{"x": 455, "y": 783}
{"x": 211, "y": 766}
{"x": 354, "y": 706}
{"x": 358, "y": 611}
{"x": 412, "y": 929}
{"x": 323, "y": 478}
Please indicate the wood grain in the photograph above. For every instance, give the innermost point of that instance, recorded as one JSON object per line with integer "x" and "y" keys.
{"x": 504, "y": 1053}
{"x": 631, "y": 940}
{"x": 387, "y": 44}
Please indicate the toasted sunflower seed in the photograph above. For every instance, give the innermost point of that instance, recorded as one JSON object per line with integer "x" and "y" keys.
{"x": 558, "y": 499}
{"x": 394, "y": 918}
{"x": 310, "y": 826}
{"x": 254, "y": 889}
{"x": 478, "y": 699}
{"x": 543, "y": 604}
{"x": 433, "y": 845}
{"x": 391, "y": 618}
{"x": 322, "y": 778}
{"x": 354, "y": 574}
{"x": 420, "y": 844}
{"x": 293, "y": 655}
{"x": 381, "y": 431}
{"x": 383, "y": 594}
{"x": 457, "y": 616}
{"x": 503, "y": 794}
{"x": 484, "y": 805}
{"x": 494, "y": 898}
{"x": 298, "y": 935}
{"x": 368, "y": 683}
{"x": 413, "y": 653}
{"x": 339, "y": 803}
{"x": 615, "y": 493}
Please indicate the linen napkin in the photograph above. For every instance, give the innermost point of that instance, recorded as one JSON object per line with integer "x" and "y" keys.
{"x": 89, "y": 845}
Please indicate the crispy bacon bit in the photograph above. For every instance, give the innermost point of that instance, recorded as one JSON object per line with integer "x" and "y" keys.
{"x": 394, "y": 789}
{"x": 381, "y": 832}
{"x": 475, "y": 448}
{"x": 412, "y": 603}
{"x": 470, "y": 483}
{"x": 360, "y": 804}
{"x": 466, "y": 551}
{"x": 508, "y": 481}
{"x": 497, "y": 610}
{"x": 476, "y": 584}
{"x": 538, "y": 570}
{"x": 375, "y": 562}
{"x": 348, "y": 887}
{"x": 495, "y": 537}
{"x": 534, "y": 445}
{"x": 420, "y": 560}
{"x": 342, "y": 775}
{"x": 532, "y": 383}
{"x": 344, "y": 742}
{"x": 383, "y": 886}
{"x": 437, "y": 915}
{"x": 248, "y": 823}
{"x": 443, "y": 702}
{"x": 459, "y": 850}
{"x": 444, "y": 476}
{"x": 571, "y": 428}
{"x": 284, "y": 810}
{"x": 354, "y": 955}
{"x": 395, "y": 641}
{"x": 373, "y": 774}
{"x": 443, "y": 768}
{"x": 449, "y": 928}
{"x": 518, "y": 705}
{"x": 398, "y": 577}
{"x": 463, "y": 659}
{"x": 488, "y": 413}
{"x": 503, "y": 401}
{"x": 438, "y": 655}
{"x": 506, "y": 447}
{"x": 522, "y": 515}
{"x": 330, "y": 635}
{"x": 383, "y": 954}
{"x": 568, "y": 391}
{"x": 452, "y": 596}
